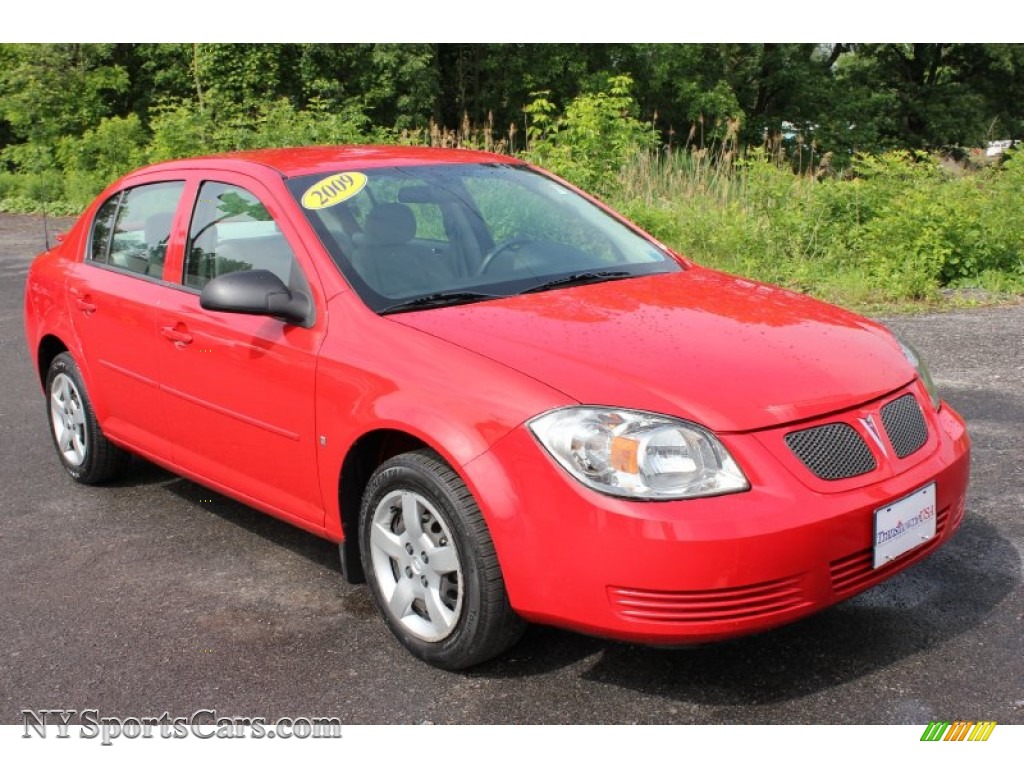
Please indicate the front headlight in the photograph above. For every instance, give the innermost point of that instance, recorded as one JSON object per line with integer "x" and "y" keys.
{"x": 915, "y": 359}
{"x": 638, "y": 455}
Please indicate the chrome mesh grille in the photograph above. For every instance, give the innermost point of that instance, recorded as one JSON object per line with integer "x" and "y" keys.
{"x": 905, "y": 426}
{"x": 832, "y": 451}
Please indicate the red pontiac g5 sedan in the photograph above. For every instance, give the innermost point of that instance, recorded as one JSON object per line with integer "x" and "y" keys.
{"x": 505, "y": 402}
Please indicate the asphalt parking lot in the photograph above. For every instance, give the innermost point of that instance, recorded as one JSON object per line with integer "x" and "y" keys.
{"x": 157, "y": 595}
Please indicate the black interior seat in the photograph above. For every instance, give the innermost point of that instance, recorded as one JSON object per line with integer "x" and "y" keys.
{"x": 386, "y": 257}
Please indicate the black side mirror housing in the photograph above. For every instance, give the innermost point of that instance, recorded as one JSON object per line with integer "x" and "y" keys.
{"x": 257, "y": 292}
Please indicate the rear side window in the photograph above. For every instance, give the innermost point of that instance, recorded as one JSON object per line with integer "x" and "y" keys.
{"x": 232, "y": 231}
{"x": 132, "y": 229}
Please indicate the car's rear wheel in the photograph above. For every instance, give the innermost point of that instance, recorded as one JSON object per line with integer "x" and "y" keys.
{"x": 83, "y": 449}
{"x": 431, "y": 565}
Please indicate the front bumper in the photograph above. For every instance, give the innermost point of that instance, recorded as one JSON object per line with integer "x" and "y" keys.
{"x": 713, "y": 568}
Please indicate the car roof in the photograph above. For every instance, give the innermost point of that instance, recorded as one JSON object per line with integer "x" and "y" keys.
{"x": 302, "y": 161}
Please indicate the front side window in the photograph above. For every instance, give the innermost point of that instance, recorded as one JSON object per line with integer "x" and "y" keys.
{"x": 470, "y": 231}
{"x": 132, "y": 229}
{"x": 232, "y": 231}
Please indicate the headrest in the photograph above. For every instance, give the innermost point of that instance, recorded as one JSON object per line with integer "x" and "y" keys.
{"x": 158, "y": 228}
{"x": 391, "y": 224}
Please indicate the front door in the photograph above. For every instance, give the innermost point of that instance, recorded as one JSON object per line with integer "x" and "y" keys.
{"x": 239, "y": 389}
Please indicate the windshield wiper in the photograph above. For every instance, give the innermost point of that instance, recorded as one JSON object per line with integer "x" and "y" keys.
{"x": 439, "y": 299}
{"x": 579, "y": 278}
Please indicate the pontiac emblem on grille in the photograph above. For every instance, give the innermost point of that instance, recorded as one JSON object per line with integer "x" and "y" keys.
{"x": 869, "y": 424}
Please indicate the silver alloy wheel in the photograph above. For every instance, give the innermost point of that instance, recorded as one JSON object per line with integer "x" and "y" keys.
{"x": 67, "y": 414}
{"x": 416, "y": 565}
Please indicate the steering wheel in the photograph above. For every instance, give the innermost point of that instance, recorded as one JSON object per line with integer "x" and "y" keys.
{"x": 507, "y": 246}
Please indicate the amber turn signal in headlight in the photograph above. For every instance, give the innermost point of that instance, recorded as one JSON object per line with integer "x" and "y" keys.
{"x": 637, "y": 454}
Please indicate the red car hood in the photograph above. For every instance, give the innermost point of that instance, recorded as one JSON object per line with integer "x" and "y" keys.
{"x": 725, "y": 352}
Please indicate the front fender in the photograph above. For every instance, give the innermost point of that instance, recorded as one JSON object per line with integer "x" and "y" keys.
{"x": 376, "y": 374}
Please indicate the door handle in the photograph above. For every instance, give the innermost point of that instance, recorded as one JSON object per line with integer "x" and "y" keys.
{"x": 85, "y": 305}
{"x": 180, "y": 338}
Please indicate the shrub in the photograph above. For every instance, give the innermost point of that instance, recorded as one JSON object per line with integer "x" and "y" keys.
{"x": 589, "y": 145}
{"x": 895, "y": 226}
{"x": 901, "y": 228}
{"x": 116, "y": 146}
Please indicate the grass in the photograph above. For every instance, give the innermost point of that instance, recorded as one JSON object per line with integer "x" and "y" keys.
{"x": 897, "y": 232}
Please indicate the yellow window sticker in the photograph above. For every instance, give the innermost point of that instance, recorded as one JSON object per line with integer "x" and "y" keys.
{"x": 333, "y": 190}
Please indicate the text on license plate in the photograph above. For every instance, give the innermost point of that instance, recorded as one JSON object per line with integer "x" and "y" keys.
{"x": 904, "y": 524}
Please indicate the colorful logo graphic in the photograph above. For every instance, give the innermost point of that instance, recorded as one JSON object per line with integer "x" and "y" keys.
{"x": 958, "y": 730}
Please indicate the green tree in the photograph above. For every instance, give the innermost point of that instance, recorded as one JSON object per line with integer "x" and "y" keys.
{"x": 53, "y": 90}
{"x": 914, "y": 95}
{"x": 997, "y": 73}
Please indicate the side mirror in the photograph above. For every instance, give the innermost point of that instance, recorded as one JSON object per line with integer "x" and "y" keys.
{"x": 257, "y": 292}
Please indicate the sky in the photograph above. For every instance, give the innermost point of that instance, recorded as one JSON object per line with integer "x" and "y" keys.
{"x": 521, "y": 21}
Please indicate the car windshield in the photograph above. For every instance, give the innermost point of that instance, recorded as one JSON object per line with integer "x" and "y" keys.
{"x": 413, "y": 237}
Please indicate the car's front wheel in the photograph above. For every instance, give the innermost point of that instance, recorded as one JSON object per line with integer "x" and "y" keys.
{"x": 431, "y": 565}
{"x": 83, "y": 449}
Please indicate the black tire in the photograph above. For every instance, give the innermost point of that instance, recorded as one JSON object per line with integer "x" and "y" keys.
{"x": 89, "y": 457}
{"x": 473, "y": 627}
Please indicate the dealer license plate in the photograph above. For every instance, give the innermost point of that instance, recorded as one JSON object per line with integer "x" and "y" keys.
{"x": 904, "y": 525}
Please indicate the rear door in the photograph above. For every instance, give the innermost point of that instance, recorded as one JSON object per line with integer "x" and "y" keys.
{"x": 114, "y": 292}
{"x": 239, "y": 389}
